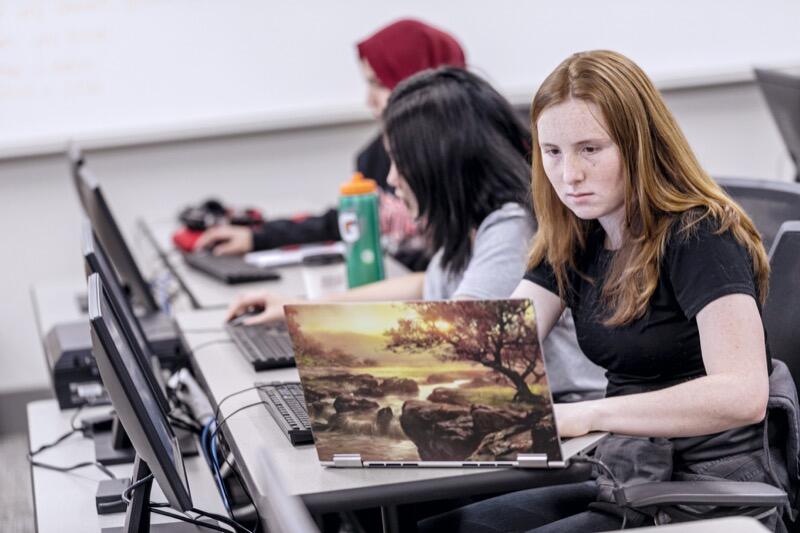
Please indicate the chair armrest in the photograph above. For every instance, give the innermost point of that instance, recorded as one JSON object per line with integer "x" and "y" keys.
{"x": 718, "y": 493}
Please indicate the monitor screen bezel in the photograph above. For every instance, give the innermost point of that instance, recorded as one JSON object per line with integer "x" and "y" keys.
{"x": 138, "y": 421}
{"x": 109, "y": 235}
{"x": 97, "y": 262}
{"x": 768, "y": 82}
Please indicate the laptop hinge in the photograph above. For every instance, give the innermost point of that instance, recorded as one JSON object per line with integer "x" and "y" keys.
{"x": 532, "y": 460}
{"x": 347, "y": 460}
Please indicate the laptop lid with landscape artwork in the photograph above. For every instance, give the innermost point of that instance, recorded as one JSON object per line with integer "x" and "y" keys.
{"x": 425, "y": 383}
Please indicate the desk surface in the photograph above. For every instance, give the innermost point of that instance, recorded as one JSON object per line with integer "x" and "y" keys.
{"x": 254, "y": 436}
{"x": 64, "y": 501}
{"x": 208, "y": 291}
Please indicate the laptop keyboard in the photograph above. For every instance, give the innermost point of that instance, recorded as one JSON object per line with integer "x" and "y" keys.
{"x": 264, "y": 347}
{"x": 229, "y": 269}
{"x": 286, "y": 404}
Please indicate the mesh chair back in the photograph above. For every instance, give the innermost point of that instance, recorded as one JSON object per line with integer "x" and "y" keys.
{"x": 782, "y": 309}
{"x": 769, "y": 203}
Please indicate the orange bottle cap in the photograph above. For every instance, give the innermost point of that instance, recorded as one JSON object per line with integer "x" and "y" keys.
{"x": 358, "y": 185}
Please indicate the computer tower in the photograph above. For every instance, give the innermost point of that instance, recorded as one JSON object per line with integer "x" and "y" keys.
{"x": 73, "y": 371}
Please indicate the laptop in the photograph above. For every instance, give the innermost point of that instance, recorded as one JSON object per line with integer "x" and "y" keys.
{"x": 428, "y": 384}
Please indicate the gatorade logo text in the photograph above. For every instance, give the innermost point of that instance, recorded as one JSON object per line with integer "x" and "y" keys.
{"x": 349, "y": 227}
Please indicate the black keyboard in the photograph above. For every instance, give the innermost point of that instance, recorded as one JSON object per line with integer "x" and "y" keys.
{"x": 264, "y": 347}
{"x": 286, "y": 404}
{"x": 231, "y": 269}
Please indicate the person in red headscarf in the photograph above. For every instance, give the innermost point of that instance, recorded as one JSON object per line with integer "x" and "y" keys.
{"x": 387, "y": 57}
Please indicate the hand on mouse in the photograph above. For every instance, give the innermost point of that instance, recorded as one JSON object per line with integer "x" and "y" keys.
{"x": 226, "y": 240}
{"x": 269, "y": 304}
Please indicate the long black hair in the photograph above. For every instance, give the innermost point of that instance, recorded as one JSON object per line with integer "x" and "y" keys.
{"x": 463, "y": 151}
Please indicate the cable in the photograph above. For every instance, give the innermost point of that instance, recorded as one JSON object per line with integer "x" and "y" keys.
{"x": 607, "y": 470}
{"x": 155, "y": 508}
{"x": 60, "y": 439}
{"x": 225, "y": 520}
{"x": 100, "y": 466}
{"x": 209, "y": 343}
{"x": 182, "y": 518}
{"x": 222, "y": 422}
{"x": 57, "y": 468}
{"x": 75, "y": 417}
{"x": 231, "y": 395}
{"x": 192, "y": 427}
{"x": 203, "y": 330}
{"x": 244, "y": 488}
{"x": 214, "y": 463}
{"x": 126, "y": 494}
{"x": 215, "y": 432}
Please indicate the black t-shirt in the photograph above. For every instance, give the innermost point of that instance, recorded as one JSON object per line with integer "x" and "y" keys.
{"x": 661, "y": 348}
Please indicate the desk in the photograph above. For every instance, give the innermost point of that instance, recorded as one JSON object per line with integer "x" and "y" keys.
{"x": 64, "y": 501}
{"x": 207, "y": 292}
{"x": 254, "y": 436}
{"x": 736, "y": 524}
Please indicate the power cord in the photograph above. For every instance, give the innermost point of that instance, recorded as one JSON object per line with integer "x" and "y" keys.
{"x": 244, "y": 488}
{"x": 156, "y": 508}
{"x": 231, "y": 395}
{"x": 56, "y": 468}
{"x": 618, "y": 495}
{"x": 202, "y": 345}
{"x": 222, "y": 422}
{"x": 203, "y": 330}
{"x": 74, "y": 417}
{"x": 214, "y": 435}
{"x": 74, "y": 429}
{"x": 214, "y": 463}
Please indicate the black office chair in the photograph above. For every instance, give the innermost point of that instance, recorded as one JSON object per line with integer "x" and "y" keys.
{"x": 782, "y": 322}
{"x": 769, "y": 203}
{"x": 781, "y": 317}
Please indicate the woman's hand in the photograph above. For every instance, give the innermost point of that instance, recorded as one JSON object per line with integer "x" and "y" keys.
{"x": 270, "y": 306}
{"x": 226, "y": 240}
{"x": 573, "y": 419}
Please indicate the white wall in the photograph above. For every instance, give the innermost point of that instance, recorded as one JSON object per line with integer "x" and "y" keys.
{"x": 110, "y": 71}
{"x": 40, "y": 239}
{"x": 729, "y": 127}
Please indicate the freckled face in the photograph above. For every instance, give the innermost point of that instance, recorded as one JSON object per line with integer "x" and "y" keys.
{"x": 582, "y": 162}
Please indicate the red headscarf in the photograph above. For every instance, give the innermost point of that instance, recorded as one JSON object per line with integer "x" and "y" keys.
{"x": 407, "y": 46}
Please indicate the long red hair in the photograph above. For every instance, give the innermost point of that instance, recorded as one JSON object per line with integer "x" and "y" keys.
{"x": 664, "y": 184}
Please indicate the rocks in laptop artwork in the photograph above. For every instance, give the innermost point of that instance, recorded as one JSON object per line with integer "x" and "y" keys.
{"x": 430, "y": 381}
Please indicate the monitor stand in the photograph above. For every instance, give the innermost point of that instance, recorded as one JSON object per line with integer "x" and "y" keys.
{"x": 115, "y": 448}
{"x": 137, "y": 517}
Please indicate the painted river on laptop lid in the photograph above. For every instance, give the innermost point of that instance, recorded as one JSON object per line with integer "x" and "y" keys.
{"x": 424, "y": 381}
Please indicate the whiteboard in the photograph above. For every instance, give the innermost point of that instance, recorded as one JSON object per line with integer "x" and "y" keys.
{"x": 111, "y": 72}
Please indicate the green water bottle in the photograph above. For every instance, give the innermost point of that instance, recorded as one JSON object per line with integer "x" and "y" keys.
{"x": 360, "y": 228}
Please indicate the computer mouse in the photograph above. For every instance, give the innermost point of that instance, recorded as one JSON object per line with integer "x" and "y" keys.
{"x": 213, "y": 244}
{"x": 239, "y": 319}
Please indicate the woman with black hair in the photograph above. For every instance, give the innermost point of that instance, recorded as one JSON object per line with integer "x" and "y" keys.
{"x": 459, "y": 162}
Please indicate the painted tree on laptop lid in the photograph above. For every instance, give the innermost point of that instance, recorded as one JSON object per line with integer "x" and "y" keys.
{"x": 424, "y": 381}
{"x": 500, "y": 335}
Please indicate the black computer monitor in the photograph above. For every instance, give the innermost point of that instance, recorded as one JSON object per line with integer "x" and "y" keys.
{"x": 130, "y": 392}
{"x": 108, "y": 233}
{"x": 97, "y": 263}
{"x": 782, "y": 92}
